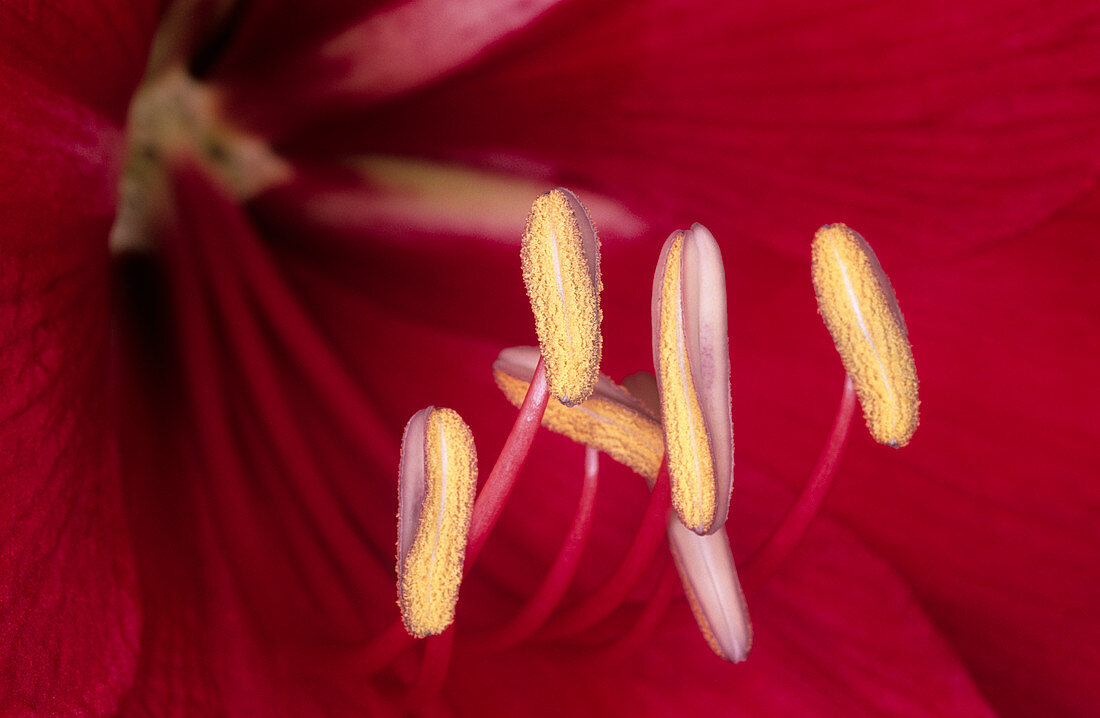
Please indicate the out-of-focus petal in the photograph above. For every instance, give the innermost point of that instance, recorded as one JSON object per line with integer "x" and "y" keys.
{"x": 403, "y": 201}
{"x": 265, "y": 551}
{"x": 392, "y": 50}
{"x": 942, "y": 127}
{"x": 416, "y": 43}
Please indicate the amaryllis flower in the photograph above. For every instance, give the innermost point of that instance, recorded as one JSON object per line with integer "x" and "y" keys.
{"x": 244, "y": 242}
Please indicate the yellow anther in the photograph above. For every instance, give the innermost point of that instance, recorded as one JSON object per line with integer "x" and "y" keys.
{"x": 690, "y": 464}
{"x": 611, "y": 420}
{"x": 560, "y": 257}
{"x": 860, "y": 310}
{"x": 437, "y": 500}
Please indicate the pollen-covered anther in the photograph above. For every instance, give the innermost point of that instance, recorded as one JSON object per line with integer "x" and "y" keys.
{"x": 436, "y": 486}
{"x": 857, "y": 302}
{"x": 560, "y": 258}
{"x": 611, "y": 419}
{"x": 691, "y": 358}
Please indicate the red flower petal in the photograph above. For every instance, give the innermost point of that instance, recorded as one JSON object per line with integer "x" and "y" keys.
{"x": 70, "y": 621}
{"x": 838, "y": 634}
{"x": 939, "y": 127}
{"x": 1004, "y": 465}
{"x": 264, "y": 540}
{"x": 412, "y": 44}
{"x": 94, "y": 52}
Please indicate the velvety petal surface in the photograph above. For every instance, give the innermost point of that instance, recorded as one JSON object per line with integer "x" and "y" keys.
{"x": 837, "y": 634}
{"x": 268, "y": 360}
{"x": 69, "y": 616}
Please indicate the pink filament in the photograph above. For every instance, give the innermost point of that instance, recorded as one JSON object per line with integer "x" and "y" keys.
{"x": 763, "y": 563}
{"x": 638, "y": 557}
{"x": 535, "y": 612}
{"x": 490, "y": 501}
{"x": 647, "y": 620}
{"x": 433, "y": 669}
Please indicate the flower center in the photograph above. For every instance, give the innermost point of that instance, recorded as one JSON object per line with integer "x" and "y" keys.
{"x": 175, "y": 119}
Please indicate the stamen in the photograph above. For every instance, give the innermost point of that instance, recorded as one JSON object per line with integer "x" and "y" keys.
{"x": 539, "y": 607}
{"x": 786, "y": 535}
{"x": 437, "y": 484}
{"x": 638, "y": 557}
{"x": 561, "y": 268}
{"x": 691, "y": 356}
{"x": 390, "y": 644}
{"x": 611, "y": 420}
{"x": 710, "y": 582}
{"x": 433, "y": 669}
{"x": 857, "y": 302}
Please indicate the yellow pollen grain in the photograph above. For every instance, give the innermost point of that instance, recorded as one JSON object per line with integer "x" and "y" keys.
{"x": 858, "y": 305}
{"x": 690, "y": 465}
{"x": 564, "y": 298}
{"x": 629, "y": 437}
{"x": 432, "y": 570}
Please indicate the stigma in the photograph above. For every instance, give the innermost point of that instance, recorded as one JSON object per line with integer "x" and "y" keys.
{"x": 560, "y": 258}
{"x": 436, "y": 486}
{"x": 610, "y": 420}
{"x": 859, "y": 308}
{"x": 691, "y": 358}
